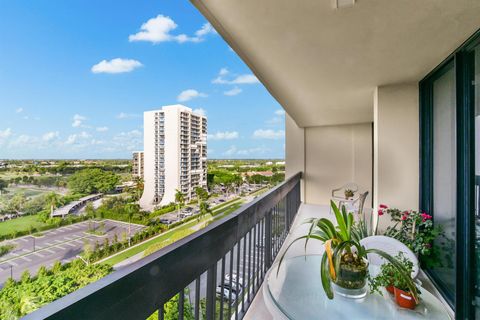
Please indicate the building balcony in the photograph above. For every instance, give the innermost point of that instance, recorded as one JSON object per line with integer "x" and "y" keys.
{"x": 142, "y": 288}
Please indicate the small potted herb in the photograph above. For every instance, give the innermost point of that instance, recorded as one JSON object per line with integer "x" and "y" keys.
{"x": 398, "y": 284}
{"x": 349, "y": 193}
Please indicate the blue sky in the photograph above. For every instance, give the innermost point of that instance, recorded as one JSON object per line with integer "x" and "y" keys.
{"x": 76, "y": 76}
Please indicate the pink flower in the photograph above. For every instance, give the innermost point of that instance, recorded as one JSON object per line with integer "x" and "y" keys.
{"x": 426, "y": 217}
{"x": 404, "y": 217}
{"x": 406, "y": 212}
{"x": 380, "y": 212}
{"x": 383, "y": 206}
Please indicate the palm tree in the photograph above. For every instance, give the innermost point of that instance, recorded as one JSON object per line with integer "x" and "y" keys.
{"x": 180, "y": 200}
{"x": 53, "y": 200}
{"x": 202, "y": 194}
{"x": 131, "y": 209}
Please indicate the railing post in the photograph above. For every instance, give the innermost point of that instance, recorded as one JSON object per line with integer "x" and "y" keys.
{"x": 211, "y": 297}
{"x": 268, "y": 240}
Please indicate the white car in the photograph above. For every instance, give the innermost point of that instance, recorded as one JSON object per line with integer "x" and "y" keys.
{"x": 234, "y": 280}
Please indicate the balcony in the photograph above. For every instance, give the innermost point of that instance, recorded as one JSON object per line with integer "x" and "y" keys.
{"x": 199, "y": 261}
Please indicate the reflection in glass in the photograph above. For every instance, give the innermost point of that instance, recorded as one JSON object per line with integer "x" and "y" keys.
{"x": 444, "y": 175}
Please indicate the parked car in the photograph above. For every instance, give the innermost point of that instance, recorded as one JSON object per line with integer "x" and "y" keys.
{"x": 226, "y": 293}
{"x": 235, "y": 279}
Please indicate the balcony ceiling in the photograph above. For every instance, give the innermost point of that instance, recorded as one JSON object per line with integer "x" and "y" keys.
{"x": 323, "y": 64}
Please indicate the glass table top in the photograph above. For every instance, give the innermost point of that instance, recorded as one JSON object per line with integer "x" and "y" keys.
{"x": 297, "y": 293}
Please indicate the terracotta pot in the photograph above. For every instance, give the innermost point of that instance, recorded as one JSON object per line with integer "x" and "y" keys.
{"x": 390, "y": 289}
{"x": 404, "y": 299}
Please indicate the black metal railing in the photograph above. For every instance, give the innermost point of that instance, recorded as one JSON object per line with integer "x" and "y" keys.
{"x": 211, "y": 274}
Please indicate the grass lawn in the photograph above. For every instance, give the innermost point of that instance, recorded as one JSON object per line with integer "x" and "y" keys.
{"x": 20, "y": 224}
{"x": 225, "y": 204}
{"x": 142, "y": 247}
{"x": 260, "y": 191}
{"x": 174, "y": 234}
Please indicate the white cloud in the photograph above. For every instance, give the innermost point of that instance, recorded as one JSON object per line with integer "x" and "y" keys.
{"x": 123, "y": 115}
{"x": 74, "y": 138}
{"x": 234, "y": 151}
{"x": 204, "y": 30}
{"x": 236, "y": 79}
{"x": 189, "y": 94}
{"x": 22, "y": 140}
{"x": 223, "y": 72}
{"x": 200, "y": 111}
{"x": 78, "y": 120}
{"x": 117, "y": 65}
{"x": 5, "y": 133}
{"x": 227, "y": 135}
{"x": 233, "y": 92}
{"x": 230, "y": 151}
{"x": 49, "y": 136}
{"x": 279, "y": 118}
{"x": 268, "y": 134}
{"x": 71, "y": 139}
{"x": 252, "y": 151}
{"x": 159, "y": 29}
{"x": 102, "y": 129}
{"x": 19, "y": 110}
{"x": 245, "y": 79}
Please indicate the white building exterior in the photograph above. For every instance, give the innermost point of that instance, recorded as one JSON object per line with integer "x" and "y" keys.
{"x": 175, "y": 154}
{"x": 138, "y": 164}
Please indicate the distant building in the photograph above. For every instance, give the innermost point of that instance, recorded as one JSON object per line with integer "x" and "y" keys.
{"x": 175, "y": 154}
{"x": 138, "y": 164}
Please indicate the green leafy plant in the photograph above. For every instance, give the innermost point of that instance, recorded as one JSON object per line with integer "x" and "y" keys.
{"x": 416, "y": 230}
{"x": 389, "y": 276}
{"x": 343, "y": 251}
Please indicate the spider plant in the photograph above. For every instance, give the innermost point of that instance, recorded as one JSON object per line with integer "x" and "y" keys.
{"x": 344, "y": 261}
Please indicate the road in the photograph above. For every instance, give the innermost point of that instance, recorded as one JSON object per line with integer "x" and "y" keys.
{"x": 61, "y": 244}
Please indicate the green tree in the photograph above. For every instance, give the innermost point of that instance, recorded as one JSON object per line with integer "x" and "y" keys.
{"x": 202, "y": 195}
{"x": 88, "y": 181}
{"x": 90, "y": 210}
{"x": 131, "y": 209}
{"x": 179, "y": 200}
{"x": 3, "y": 185}
{"x": 204, "y": 208}
{"x": 53, "y": 200}
{"x": 17, "y": 202}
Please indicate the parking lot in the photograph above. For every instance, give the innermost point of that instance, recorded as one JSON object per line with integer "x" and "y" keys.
{"x": 61, "y": 244}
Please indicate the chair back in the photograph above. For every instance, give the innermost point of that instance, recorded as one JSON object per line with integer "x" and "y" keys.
{"x": 392, "y": 247}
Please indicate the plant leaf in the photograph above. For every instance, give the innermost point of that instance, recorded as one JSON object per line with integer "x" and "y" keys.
{"x": 407, "y": 277}
{"x": 325, "y": 276}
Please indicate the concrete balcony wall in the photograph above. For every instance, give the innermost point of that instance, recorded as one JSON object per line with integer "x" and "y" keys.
{"x": 329, "y": 156}
{"x": 396, "y": 147}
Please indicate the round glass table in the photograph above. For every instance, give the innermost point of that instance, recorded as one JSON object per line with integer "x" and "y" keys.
{"x": 297, "y": 293}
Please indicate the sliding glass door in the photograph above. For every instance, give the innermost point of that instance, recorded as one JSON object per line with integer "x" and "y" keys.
{"x": 450, "y": 174}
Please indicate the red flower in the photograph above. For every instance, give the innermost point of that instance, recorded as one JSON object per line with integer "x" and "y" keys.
{"x": 383, "y": 206}
{"x": 425, "y": 217}
{"x": 404, "y": 217}
{"x": 380, "y": 212}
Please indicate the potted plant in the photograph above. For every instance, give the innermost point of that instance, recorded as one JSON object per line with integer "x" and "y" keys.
{"x": 416, "y": 230}
{"x": 344, "y": 261}
{"x": 388, "y": 273}
{"x": 349, "y": 193}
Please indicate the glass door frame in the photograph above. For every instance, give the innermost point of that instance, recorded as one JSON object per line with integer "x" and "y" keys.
{"x": 462, "y": 60}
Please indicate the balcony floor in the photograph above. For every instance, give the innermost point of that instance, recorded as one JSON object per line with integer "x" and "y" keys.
{"x": 259, "y": 310}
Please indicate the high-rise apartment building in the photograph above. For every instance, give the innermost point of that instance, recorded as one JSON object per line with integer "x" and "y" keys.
{"x": 138, "y": 164}
{"x": 175, "y": 154}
